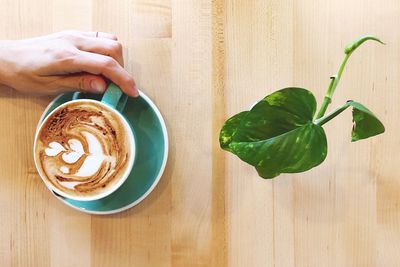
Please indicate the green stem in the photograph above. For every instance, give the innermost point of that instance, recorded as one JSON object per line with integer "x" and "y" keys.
{"x": 333, "y": 114}
{"x": 332, "y": 86}
{"x": 327, "y": 100}
{"x": 336, "y": 78}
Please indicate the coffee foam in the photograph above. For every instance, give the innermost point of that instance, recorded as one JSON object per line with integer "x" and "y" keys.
{"x": 83, "y": 148}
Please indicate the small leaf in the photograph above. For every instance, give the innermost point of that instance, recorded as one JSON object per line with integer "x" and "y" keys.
{"x": 277, "y": 135}
{"x": 353, "y": 46}
{"x": 229, "y": 130}
{"x": 365, "y": 123}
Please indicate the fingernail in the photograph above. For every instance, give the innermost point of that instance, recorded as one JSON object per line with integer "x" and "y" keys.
{"x": 135, "y": 91}
{"x": 97, "y": 86}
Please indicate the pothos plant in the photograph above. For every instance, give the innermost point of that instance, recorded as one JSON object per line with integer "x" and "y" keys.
{"x": 282, "y": 134}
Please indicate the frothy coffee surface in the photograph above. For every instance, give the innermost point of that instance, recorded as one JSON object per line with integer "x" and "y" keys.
{"x": 83, "y": 149}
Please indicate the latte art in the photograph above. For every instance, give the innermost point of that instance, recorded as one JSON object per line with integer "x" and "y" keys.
{"x": 83, "y": 149}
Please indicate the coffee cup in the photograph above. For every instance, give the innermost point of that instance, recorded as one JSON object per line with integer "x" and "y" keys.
{"x": 85, "y": 149}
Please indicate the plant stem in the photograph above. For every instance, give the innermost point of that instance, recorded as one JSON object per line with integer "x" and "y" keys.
{"x": 327, "y": 100}
{"x": 332, "y": 86}
{"x": 333, "y": 114}
{"x": 336, "y": 78}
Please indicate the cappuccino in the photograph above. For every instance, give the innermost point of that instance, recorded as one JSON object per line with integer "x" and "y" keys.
{"x": 84, "y": 149}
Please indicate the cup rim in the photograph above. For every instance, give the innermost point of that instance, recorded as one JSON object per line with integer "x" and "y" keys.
{"x": 118, "y": 184}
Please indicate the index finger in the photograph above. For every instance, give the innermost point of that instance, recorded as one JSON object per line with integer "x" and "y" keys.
{"x": 106, "y": 66}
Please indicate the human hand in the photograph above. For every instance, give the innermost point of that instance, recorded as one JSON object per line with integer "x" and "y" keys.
{"x": 64, "y": 61}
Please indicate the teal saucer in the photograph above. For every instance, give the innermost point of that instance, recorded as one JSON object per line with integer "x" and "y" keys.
{"x": 151, "y": 156}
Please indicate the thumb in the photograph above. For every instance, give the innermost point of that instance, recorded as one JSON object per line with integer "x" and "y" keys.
{"x": 84, "y": 82}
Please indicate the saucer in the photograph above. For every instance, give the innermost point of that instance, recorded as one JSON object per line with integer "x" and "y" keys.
{"x": 151, "y": 156}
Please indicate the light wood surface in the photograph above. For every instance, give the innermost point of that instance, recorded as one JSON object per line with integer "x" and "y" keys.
{"x": 203, "y": 61}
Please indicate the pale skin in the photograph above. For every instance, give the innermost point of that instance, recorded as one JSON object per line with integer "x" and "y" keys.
{"x": 64, "y": 61}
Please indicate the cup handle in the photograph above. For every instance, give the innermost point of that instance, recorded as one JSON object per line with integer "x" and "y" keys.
{"x": 114, "y": 97}
{"x": 76, "y": 95}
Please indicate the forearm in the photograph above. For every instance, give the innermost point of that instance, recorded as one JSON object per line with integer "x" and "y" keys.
{"x": 5, "y": 43}
{"x": 7, "y": 57}
{"x": 3, "y": 67}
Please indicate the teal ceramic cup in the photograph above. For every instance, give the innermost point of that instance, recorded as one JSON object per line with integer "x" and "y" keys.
{"x": 113, "y": 100}
{"x": 152, "y": 146}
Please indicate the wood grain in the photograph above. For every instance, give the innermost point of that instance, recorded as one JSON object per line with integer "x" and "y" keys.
{"x": 202, "y": 61}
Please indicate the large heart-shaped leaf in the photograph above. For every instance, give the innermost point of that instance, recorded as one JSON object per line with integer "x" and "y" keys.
{"x": 365, "y": 123}
{"x": 277, "y": 135}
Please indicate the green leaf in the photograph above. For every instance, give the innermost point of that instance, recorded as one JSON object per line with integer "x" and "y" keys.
{"x": 365, "y": 123}
{"x": 353, "y": 45}
{"x": 277, "y": 135}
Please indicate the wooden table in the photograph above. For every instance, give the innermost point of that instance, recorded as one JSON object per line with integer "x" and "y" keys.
{"x": 202, "y": 61}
